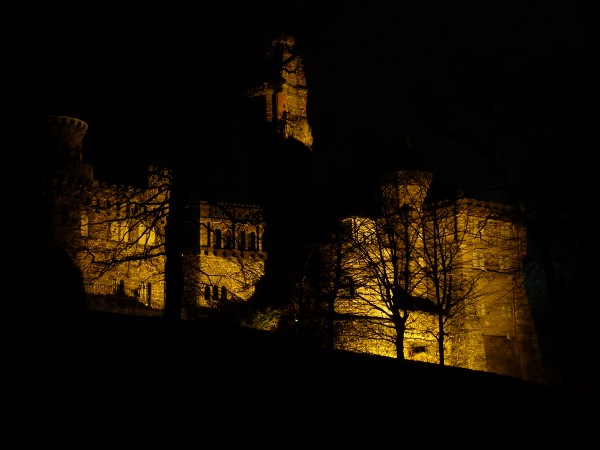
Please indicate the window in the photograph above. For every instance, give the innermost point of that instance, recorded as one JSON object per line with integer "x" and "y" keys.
{"x": 208, "y": 234}
{"x": 218, "y": 239}
{"x": 142, "y": 293}
{"x": 242, "y": 240}
{"x": 207, "y": 292}
{"x": 118, "y": 231}
{"x": 223, "y": 293}
{"x": 85, "y": 225}
{"x": 215, "y": 292}
{"x": 346, "y": 287}
{"x": 146, "y": 235}
{"x": 478, "y": 259}
{"x": 252, "y": 241}
{"x": 132, "y": 232}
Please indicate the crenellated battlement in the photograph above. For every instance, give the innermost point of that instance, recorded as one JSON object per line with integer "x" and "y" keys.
{"x": 64, "y": 135}
{"x": 64, "y": 121}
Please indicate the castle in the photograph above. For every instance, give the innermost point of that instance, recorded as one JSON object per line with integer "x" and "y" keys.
{"x": 427, "y": 279}
{"x": 445, "y": 276}
{"x": 116, "y": 234}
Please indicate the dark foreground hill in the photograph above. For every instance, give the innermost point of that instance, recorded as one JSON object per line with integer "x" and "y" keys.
{"x": 125, "y": 369}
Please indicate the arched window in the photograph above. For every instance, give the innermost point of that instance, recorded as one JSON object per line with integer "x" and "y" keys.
{"x": 85, "y": 225}
{"x": 218, "y": 239}
{"x": 242, "y": 240}
{"x": 207, "y": 292}
{"x": 252, "y": 241}
{"x": 215, "y": 292}
{"x": 208, "y": 234}
{"x": 223, "y": 293}
{"x": 228, "y": 243}
{"x": 346, "y": 287}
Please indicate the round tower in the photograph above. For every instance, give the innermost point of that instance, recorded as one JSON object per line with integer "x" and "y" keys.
{"x": 61, "y": 139}
{"x": 64, "y": 135}
{"x": 61, "y": 177}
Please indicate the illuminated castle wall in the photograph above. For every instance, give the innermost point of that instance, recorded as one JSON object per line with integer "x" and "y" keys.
{"x": 116, "y": 235}
{"x": 228, "y": 257}
{"x": 479, "y": 256}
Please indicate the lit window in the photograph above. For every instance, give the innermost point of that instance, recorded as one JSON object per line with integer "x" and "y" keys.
{"x": 346, "y": 287}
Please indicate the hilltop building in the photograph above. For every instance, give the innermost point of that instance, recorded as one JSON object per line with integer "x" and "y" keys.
{"x": 446, "y": 276}
{"x": 449, "y": 271}
{"x": 116, "y": 234}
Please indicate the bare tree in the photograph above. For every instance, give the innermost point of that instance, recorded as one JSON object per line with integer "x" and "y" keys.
{"x": 427, "y": 278}
{"x": 318, "y": 286}
{"x": 381, "y": 264}
{"x": 447, "y": 255}
{"x": 504, "y": 138}
{"x": 120, "y": 235}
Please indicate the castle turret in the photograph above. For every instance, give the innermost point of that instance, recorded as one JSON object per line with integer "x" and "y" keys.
{"x": 285, "y": 93}
{"x": 64, "y": 135}
{"x": 62, "y": 140}
{"x": 62, "y": 176}
{"x": 408, "y": 187}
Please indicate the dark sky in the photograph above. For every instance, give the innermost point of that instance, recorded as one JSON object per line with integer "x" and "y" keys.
{"x": 383, "y": 76}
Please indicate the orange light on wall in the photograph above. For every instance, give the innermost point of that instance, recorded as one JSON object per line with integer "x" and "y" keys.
{"x": 281, "y": 103}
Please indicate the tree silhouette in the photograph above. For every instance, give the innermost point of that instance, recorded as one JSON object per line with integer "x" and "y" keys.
{"x": 462, "y": 258}
{"x": 425, "y": 278}
{"x": 121, "y": 234}
{"x": 504, "y": 131}
{"x": 381, "y": 270}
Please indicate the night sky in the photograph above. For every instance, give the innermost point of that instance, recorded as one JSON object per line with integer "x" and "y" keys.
{"x": 484, "y": 97}
{"x": 388, "y": 85}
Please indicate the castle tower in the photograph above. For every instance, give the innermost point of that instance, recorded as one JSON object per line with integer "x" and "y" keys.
{"x": 62, "y": 175}
{"x": 405, "y": 188}
{"x": 61, "y": 139}
{"x": 284, "y": 94}
{"x": 65, "y": 135}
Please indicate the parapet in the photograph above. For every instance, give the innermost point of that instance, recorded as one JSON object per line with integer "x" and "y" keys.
{"x": 65, "y": 121}
{"x": 65, "y": 135}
